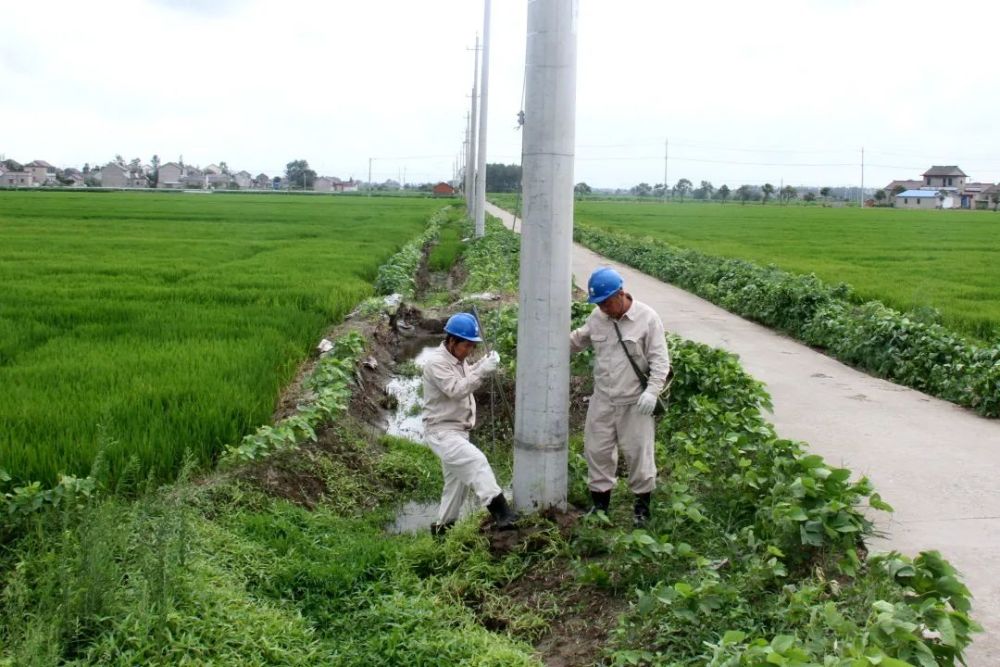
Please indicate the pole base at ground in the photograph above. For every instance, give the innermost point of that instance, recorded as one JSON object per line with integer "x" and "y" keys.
{"x": 540, "y": 477}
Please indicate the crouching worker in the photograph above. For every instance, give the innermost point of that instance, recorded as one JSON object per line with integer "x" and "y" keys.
{"x": 449, "y": 415}
{"x": 628, "y": 341}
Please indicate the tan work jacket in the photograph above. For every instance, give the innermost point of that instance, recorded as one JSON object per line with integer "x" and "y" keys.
{"x": 642, "y": 331}
{"x": 448, "y": 388}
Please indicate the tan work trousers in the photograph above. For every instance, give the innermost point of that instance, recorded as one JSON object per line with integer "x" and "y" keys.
{"x": 610, "y": 427}
{"x": 464, "y": 466}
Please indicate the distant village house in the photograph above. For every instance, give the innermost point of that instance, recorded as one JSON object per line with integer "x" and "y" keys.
{"x": 243, "y": 180}
{"x": 169, "y": 176}
{"x": 115, "y": 176}
{"x": 942, "y": 186}
{"x": 443, "y": 189}
{"x": 16, "y": 179}
{"x": 41, "y": 172}
{"x": 334, "y": 184}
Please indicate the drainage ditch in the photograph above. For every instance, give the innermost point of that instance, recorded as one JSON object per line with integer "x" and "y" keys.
{"x": 417, "y": 338}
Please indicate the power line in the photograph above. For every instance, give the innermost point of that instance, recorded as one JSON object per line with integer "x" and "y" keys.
{"x": 414, "y": 157}
{"x": 926, "y": 157}
{"x": 711, "y": 161}
{"x": 719, "y": 147}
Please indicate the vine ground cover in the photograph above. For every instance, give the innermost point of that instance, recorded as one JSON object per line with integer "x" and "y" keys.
{"x": 908, "y": 260}
{"x": 148, "y": 324}
{"x": 878, "y": 339}
{"x": 755, "y": 552}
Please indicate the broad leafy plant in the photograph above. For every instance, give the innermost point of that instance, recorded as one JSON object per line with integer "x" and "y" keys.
{"x": 908, "y": 348}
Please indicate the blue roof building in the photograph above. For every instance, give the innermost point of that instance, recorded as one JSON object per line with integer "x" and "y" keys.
{"x": 932, "y": 198}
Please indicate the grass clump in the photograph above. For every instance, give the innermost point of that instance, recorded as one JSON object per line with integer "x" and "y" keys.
{"x": 447, "y": 250}
{"x": 227, "y": 572}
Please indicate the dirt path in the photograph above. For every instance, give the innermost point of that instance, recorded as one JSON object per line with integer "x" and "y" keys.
{"x": 936, "y": 463}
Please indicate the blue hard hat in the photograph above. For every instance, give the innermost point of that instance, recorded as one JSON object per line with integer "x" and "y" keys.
{"x": 464, "y": 326}
{"x": 603, "y": 283}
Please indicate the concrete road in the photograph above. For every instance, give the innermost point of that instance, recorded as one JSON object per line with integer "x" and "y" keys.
{"x": 937, "y": 464}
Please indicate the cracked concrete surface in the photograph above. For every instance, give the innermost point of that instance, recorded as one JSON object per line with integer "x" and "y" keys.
{"x": 936, "y": 463}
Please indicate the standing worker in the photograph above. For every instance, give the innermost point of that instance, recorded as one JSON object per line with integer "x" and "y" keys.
{"x": 450, "y": 413}
{"x": 620, "y": 414}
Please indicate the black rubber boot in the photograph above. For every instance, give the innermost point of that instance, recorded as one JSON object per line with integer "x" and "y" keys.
{"x": 642, "y": 509}
{"x": 504, "y": 517}
{"x": 439, "y": 529}
{"x": 601, "y": 502}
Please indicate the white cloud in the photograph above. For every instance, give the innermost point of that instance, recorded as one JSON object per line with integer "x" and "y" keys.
{"x": 260, "y": 83}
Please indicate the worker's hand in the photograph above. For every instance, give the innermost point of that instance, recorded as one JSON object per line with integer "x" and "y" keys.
{"x": 646, "y": 404}
{"x": 489, "y": 363}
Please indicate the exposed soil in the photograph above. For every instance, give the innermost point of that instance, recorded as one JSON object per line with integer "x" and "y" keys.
{"x": 457, "y": 275}
{"x": 585, "y": 615}
{"x": 286, "y": 477}
{"x": 352, "y": 445}
{"x": 423, "y": 277}
{"x": 535, "y": 535}
{"x": 580, "y": 618}
{"x": 313, "y": 474}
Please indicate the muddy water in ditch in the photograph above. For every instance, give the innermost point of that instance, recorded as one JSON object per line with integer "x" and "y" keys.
{"x": 406, "y": 421}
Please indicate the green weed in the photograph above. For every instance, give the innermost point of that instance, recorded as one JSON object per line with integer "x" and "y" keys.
{"x": 447, "y": 250}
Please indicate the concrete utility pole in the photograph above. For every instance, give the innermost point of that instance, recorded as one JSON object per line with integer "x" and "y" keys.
{"x": 370, "y": 176}
{"x": 484, "y": 80}
{"x": 541, "y": 413}
{"x": 862, "y": 177}
{"x": 666, "y": 162}
{"x": 470, "y": 179}
{"x": 465, "y": 160}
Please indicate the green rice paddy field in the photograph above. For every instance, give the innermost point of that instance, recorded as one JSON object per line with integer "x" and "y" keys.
{"x": 948, "y": 260}
{"x": 149, "y": 324}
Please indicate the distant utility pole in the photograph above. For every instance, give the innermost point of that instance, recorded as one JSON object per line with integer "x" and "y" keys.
{"x": 370, "y": 176}
{"x": 541, "y": 412}
{"x": 465, "y": 161}
{"x": 862, "y": 202}
{"x": 666, "y": 162}
{"x": 484, "y": 95}
{"x": 470, "y": 178}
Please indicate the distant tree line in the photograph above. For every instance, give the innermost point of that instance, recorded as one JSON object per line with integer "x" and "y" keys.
{"x": 503, "y": 178}
{"x": 705, "y": 191}
{"x": 299, "y": 176}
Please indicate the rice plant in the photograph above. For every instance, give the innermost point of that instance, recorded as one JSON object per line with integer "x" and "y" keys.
{"x": 149, "y": 324}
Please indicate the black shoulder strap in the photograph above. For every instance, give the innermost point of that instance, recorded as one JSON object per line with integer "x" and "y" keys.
{"x": 643, "y": 380}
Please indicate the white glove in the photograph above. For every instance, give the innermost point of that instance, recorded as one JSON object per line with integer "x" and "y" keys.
{"x": 646, "y": 404}
{"x": 489, "y": 363}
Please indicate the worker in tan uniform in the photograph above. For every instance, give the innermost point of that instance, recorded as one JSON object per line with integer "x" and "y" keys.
{"x": 449, "y": 415}
{"x": 620, "y": 415}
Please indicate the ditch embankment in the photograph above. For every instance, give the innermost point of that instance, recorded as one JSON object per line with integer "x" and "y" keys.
{"x": 934, "y": 462}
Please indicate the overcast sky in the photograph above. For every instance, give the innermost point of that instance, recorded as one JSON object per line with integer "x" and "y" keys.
{"x": 745, "y": 92}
